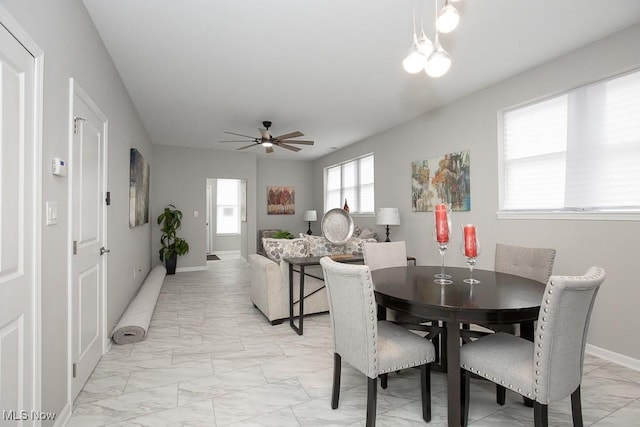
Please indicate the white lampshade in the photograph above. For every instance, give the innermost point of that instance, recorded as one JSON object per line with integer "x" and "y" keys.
{"x": 310, "y": 216}
{"x": 448, "y": 19}
{"x": 387, "y": 216}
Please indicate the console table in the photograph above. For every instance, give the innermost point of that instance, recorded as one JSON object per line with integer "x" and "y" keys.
{"x": 301, "y": 263}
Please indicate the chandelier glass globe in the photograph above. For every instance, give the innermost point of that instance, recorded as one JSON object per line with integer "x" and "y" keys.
{"x": 438, "y": 63}
{"x": 415, "y": 60}
{"x": 448, "y": 19}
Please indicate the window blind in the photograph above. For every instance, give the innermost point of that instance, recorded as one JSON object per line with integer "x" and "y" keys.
{"x": 574, "y": 152}
{"x": 353, "y": 181}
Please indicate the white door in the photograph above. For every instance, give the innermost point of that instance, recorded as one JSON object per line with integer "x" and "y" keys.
{"x": 88, "y": 235}
{"x": 18, "y": 262}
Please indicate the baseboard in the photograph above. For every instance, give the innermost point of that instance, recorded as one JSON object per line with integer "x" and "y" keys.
{"x": 63, "y": 417}
{"x": 617, "y": 358}
{"x": 187, "y": 269}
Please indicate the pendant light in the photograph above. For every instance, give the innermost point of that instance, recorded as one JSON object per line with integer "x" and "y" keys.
{"x": 439, "y": 61}
{"x": 428, "y": 56}
{"x": 448, "y": 18}
{"x": 424, "y": 45}
{"x": 416, "y": 59}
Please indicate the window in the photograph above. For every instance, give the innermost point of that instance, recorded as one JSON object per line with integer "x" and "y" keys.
{"x": 353, "y": 181}
{"x": 577, "y": 152}
{"x": 228, "y": 206}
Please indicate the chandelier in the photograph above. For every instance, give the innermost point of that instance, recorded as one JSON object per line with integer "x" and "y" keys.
{"x": 431, "y": 56}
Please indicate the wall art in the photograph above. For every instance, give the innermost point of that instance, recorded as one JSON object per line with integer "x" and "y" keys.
{"x": 138, "y": 189}
{"x": 281, "y": 200}
{"x": 443, "y": 179}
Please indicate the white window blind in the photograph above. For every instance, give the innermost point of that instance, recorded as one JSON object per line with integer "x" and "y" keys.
{"x": 579, "y": 151}
{"x": 353, "y": 181}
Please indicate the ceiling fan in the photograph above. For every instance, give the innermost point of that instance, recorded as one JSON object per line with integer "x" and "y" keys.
{"x": 268, "y": 141}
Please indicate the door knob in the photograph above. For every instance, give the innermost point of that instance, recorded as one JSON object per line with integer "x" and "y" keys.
{"x": 104, "y": 251}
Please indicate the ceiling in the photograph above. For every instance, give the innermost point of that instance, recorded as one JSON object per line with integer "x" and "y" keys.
{"x": 328, "y": 68}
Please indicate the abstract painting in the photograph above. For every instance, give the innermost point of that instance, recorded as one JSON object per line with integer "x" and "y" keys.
{"x": 281, "y": 200}
{"x": 443, "y": 179}
{"x": 138, "y": 189}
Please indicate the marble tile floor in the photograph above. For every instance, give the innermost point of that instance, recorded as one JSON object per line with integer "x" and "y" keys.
{"x": 212, "y": 359}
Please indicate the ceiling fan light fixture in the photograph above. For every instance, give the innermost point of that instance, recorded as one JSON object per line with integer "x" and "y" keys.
{"x": 267, "y": 144}
{"x": 448, "y": 19}
{"x": 438, "y": 63}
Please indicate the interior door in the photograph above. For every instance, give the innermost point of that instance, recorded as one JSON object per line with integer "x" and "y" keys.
{"x": 88, "y": 234}
{"x": 18, "y": 190}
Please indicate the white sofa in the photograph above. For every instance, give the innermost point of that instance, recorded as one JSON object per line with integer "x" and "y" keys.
{"x": 270, "y": 274}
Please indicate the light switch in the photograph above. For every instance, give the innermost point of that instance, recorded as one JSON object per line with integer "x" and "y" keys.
{"x": 196, "y": 214}
{"x": 52, "y": 212}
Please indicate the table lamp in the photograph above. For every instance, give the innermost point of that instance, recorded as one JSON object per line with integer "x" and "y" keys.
{"x": 387, "y": 216}
{"x": 310, "y": 216}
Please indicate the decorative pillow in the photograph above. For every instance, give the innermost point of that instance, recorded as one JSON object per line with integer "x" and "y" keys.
{"x": 278, "y": 249}
{"x": 320, "y": 246}
{"x": 355, "y": 245}
{"x": 366, "y": 233}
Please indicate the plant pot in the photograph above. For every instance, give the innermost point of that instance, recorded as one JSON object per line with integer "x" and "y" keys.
{"x": 170, "y": 263}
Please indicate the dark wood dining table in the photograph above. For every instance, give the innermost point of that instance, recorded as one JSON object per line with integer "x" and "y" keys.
{"x": 498, "y": 298}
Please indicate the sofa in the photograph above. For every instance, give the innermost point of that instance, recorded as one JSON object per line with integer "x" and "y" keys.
{"x": 270, "y": 273}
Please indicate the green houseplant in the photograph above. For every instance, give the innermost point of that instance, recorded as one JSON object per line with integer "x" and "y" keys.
{"x": 283, "y": 234}
{"x": 170, "y": 221}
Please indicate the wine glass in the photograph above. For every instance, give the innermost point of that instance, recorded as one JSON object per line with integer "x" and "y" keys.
{"x": 471, "y": 249}
{"x": 441, "y": 234}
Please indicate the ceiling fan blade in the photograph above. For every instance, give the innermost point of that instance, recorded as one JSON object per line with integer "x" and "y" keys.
{"x": 287, "y": 146}
{"x": 294, "y": 141}
{"x": 239, "y": 134}
{"x": 238, "y": 140}
{"x": 289, "y": 135}
{"x": 269, "y": 150}
{"x": 247, "y": 146}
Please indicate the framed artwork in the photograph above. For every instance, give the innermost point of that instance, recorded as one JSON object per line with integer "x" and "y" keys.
{"x": 281, "y": 200}
{"x": 138, "y": 189}
{"x": 443, "y": 179}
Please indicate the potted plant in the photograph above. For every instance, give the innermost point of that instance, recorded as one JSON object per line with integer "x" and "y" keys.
{"x": 283, "y": 234}
{"x": 170, "y": 221}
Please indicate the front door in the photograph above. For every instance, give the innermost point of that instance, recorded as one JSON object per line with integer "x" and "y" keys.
{"x": 88, "y": 234}
{"x": 18, "y": 225}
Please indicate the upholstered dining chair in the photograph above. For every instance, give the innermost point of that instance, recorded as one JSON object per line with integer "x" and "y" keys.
{"x": 394, "y": 254}
{"x": 532, "y": 263}
{"x": 373, "y": 347}
{"x": 550, "y": 368}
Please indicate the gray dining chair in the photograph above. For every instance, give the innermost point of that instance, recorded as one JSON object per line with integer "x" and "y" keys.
{"x": 394, "y": 254}
{"x": 532, "y": 263}
{"x": 386, "y": 255}
{"x": 372, "y": 347}
{"x": 550, "y": 368}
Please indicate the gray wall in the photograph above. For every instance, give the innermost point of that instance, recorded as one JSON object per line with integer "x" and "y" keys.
{"x": 72, "y": 48}
{"x": 296, "y": 173}
{"x": 471, "y": 124}
{"x": 179, "y": 177}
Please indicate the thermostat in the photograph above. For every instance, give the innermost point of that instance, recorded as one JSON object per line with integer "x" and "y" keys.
{"x": 58, "y": 166}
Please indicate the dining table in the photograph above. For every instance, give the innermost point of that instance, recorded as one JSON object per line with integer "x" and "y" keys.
{"x": 498, "y": 298}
